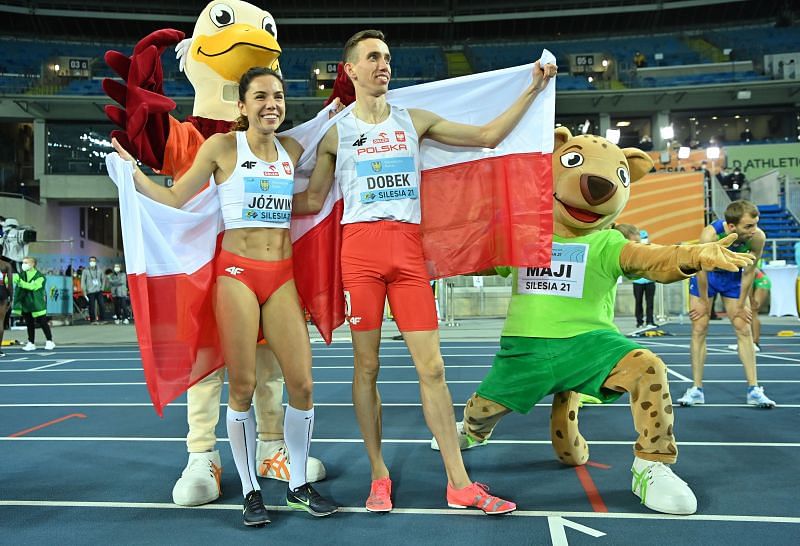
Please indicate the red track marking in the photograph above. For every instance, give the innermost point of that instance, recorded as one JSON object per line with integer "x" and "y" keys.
{"x": 591, "y": 491}
{"x": 47, "y": 424}
{"x": 598, "y": 465}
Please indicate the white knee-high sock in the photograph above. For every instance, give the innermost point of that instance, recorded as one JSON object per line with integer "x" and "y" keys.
{"x": 242, "y": 436}
{"x": 298, "y": 425}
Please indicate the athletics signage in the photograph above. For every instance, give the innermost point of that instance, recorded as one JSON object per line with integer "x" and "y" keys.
{"x": 755, "y": 160}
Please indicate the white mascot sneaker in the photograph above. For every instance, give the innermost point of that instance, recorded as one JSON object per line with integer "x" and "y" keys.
{"x": 200, "y": 481}
{"x": 273, "y": 462}
{"x": 660, "y": 489}
{"x": 465, "y": 441}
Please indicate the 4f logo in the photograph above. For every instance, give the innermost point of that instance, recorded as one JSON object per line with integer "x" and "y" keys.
{"x": 360, "y": 141}
{"x": 233, "y": 270}
{"x": 249, "y": 164}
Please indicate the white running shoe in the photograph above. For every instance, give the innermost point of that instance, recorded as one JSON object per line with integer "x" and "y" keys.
{"x": 272, "y": 458}
{"x": 735, "y": 347}
{"x": 29, "y": 347}
{"x": 756, "y": 397}
{"x": 660, "y": 489}
{"x": 200, "y": 481}
{"x": 694, "y": 396}
{"x": 125, "y": 321}
{"x": 49, "y": 345}
{"x": 465, "y": 441}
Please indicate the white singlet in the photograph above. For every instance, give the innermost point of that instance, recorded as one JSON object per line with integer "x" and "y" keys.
{"x": 258, "y": 193}
{"x": 377, "y": 169}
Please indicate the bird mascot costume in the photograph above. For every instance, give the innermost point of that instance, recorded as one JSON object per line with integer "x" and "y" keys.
{"x": 228, "y": 38}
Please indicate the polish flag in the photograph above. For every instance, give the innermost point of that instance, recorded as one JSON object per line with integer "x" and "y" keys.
{"x": 169, "y": 260}
{"x": 480, "y": 208}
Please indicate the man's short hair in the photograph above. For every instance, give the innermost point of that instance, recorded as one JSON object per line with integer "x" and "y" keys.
{"x": 31, "y": 258}
{"x": 350, "y": 45}
{"x": 737, "y": 209}
{"x": 627, "y": 230}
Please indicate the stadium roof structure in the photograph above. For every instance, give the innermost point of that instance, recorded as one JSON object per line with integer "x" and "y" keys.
{"x": 440, "y": 21}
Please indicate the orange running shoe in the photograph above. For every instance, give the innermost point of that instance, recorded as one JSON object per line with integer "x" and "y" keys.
{"x": 477, "y": 495}
{"x": 380, "y": 496}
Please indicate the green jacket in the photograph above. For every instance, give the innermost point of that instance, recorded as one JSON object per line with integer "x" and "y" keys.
{"x": 29, "y": 293}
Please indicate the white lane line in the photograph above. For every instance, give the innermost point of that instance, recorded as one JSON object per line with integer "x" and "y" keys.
{"x": 327, "y": 405}
{"x": 56, "y": 363}
{"x": 316, "y": 368}
{"x": 314, "y": 357}
{"x": 425, "y": 441}
{"x": 386, "y": 367}
{"x": 416, "y": 511}
{"x": 679, "y": 376}
{"x": 43, "y": 368}
{"x": 346, "y": 382}
{"x": 721, "y": 351}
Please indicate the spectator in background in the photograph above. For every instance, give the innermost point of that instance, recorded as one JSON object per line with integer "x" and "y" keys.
{"x": 639, "y": 60}
{"x": 30, "y": 300}
{"x": 118, "y": 283}
{"x": 6, "y": 278}
{"x": 92, "y": 285}
{"x": 643, "y": 289}
{"x": 737, "y": 183}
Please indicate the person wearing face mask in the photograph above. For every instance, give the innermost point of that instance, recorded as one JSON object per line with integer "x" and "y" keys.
{"x": 30, "y": 301}
{"x": 92, "y": 284}
{"x": 118, "y": 283}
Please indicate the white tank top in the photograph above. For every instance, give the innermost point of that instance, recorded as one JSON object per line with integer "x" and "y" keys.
{"x": 377, "y": 169}
{"x": 258, "y": 193}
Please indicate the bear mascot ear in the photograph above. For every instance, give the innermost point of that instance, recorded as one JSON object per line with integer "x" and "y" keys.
{"x": 562, "y": 135}
{"x": 639, "y": 163}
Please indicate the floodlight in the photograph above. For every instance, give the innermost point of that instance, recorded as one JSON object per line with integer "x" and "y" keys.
{"x": 612, "y": 135}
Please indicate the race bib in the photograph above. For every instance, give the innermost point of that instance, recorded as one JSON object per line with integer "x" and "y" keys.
{"x": 564, "y": 277}
{"x": 387, "y": 179}
{"x": 267, "y": 199}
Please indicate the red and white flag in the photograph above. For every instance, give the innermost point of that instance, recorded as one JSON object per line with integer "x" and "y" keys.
{"x": 480, "y": 208}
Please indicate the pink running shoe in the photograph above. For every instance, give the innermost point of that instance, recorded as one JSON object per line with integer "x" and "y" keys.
{"x": 380, "y": 496}
{"x": 477, "y": 495}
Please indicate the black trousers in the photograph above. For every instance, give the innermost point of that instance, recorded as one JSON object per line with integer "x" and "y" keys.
{"x": 42, "y": 322}
{"x": 121, "y": 307}
{"x": 644, "y": 292}
{"x": 98, "y": 298}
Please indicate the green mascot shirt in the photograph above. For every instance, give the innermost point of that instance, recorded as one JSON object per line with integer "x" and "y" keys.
{"x": 574, "y": 295}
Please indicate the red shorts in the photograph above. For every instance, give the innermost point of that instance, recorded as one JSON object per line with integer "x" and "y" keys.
{"x": 385, "y": 258}
{"x": 262, "y": 278}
